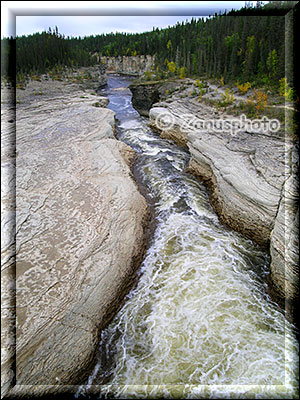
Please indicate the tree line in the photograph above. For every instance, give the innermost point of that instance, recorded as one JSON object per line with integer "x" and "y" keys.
{"x": 245, "y": 45}
{"x": 41, "y": 52}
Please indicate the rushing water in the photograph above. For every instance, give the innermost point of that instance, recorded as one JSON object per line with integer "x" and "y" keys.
{"x": 199, "y": 324}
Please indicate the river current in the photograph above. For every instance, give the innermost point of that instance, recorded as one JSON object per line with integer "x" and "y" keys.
{"x": 199, "y": 323}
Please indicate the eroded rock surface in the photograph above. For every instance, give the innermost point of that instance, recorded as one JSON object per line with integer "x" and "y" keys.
{"x": 79, "y": 235}
{"x": 7, "y": 238}
{"x": 144, "y": 96}
{"x": 284, "y": 247}
{"x": 133, "y": 65}
{"x": 252, "y": 185}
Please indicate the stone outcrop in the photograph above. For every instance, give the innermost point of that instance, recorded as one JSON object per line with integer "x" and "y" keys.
{"x": 284, "y": 247}
{"x": 252, "y": 184}
{"x": 83, "y": 81}
{"x": 8, "y": 214}
{"x": 144, "y": 96}
{"x": 93, "y": 77}
{"x": 131, "y": 65}
{"x": 245, "y": 177}
{"x": 79, "y": 238}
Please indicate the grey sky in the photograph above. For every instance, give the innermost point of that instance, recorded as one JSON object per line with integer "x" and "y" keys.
{"x": 36, "y": 16}
{"x": 93, "y": 25}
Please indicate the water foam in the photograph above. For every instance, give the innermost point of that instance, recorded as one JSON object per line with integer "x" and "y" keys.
{"x": 199, "y": 324}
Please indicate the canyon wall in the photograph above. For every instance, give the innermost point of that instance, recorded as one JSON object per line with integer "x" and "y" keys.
{"x": 131, "y": 65}
{"x": 252, "y": 176}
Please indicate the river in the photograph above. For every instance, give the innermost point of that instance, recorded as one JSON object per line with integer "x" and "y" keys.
{"x": 199, "y": 323}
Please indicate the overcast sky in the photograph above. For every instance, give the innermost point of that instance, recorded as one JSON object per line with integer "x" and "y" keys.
{"x": 83, "y": 18}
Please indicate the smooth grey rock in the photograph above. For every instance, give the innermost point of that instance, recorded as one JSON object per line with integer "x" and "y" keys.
{"x": 79, "y": 238}
{"x": 8, "y": 216}
{"x": 284, "y": 247}
{"x": 252, "y": 186}
{"x": 245, "y": 174}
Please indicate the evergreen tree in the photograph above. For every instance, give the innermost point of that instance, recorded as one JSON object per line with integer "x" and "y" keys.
{"x": 246, "y": 44}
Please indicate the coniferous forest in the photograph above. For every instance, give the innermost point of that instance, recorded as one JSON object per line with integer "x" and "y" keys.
{"x": 246, "y": 45}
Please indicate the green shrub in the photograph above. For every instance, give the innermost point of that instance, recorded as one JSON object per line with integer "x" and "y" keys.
{"x": 285, "y": 90}
{"x": 182, "y": 73}
{"x": 148, "y": 75}
{"x": 244, "y": 87}
{"x": 199, "y": 84}
{"x": 227, "y": 97}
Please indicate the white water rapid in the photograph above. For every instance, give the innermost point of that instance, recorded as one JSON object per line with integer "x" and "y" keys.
{"x": 199, "y": 323}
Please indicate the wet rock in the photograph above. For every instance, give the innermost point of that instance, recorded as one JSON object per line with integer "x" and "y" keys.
{"x": 252, "y": 188}
{"x": 144, "y": 96}
{"x": 79, "y": 237}
{"x": 165, "y": 122}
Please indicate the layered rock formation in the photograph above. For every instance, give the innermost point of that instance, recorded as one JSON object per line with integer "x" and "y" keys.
{"x": 252, "y": 182}
{"x": 144, "y": 96}
{"x": 8, "y": 214}
{"x": 284, "y": 247}
{"x": 79, "y": 238}
{"x": 131, "y": 65}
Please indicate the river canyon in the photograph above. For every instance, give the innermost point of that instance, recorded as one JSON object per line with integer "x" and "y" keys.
{"x": 104, "y": 204}
{"x": 200, "y": 322}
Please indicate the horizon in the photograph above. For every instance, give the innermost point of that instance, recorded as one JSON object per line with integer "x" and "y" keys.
{"x": 96, "y": 18}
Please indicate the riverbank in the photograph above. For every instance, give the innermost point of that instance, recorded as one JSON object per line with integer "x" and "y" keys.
{"x": 251, "y": 174}
{"x": 80, "y": 233}
{"x": 199, "y": 322}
